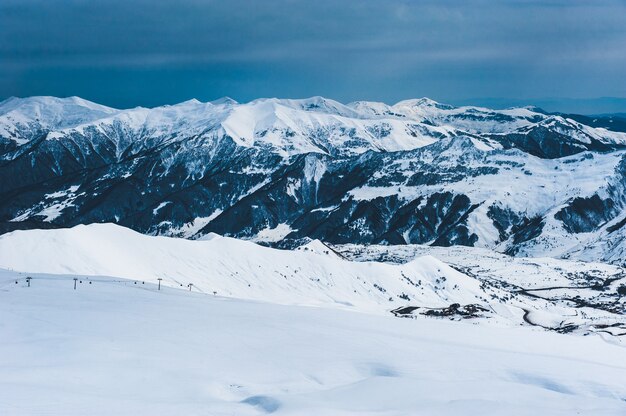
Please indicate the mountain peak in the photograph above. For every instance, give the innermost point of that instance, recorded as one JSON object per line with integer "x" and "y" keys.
{"x": 192, "y": 101}
{"x": 224, "y": 101}
{"x": 50, "y": 101}
{"x": 423, "y": 102}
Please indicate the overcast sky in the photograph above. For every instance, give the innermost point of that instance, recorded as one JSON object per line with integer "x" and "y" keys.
{"x": 125, "y": 53}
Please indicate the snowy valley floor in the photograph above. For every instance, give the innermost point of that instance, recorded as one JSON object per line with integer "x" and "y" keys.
{"x": 116, "y": 347}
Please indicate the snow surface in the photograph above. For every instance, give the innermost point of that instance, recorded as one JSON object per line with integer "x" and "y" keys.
{"x": 271, "y": 235}
{"x": 115, "y": 347}
{"x": 531, "y": 272}
{"x": 318, "y": 275}
{"x": 236, "y": 268}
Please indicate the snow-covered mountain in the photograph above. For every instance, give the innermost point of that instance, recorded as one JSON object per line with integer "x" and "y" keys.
{"x": 519, "y": 181}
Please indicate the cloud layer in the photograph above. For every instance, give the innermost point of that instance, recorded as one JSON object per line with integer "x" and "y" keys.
{"x": 127, "y": 53}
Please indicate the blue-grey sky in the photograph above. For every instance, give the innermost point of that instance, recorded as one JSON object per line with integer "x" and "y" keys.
{"x": 125, "y": 53}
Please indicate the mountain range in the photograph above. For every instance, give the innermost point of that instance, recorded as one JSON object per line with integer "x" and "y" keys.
{"x": 281, "y": 172}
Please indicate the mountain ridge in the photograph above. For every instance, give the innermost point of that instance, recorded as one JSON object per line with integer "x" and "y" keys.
{"x": 282, "y": 171}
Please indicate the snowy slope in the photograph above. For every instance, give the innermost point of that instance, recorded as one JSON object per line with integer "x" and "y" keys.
{"x": 112, "y": 347}
{"x": 231, "y": 267}
{"x": 22, "y": 118}
{"x": 574, "y": 283}
{"x": 317, "y": 275}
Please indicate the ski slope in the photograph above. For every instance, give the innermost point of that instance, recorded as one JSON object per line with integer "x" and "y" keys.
{"x": 560, "y": 296}
{"x": 116, "y": 347}
{"x": 235, "y": 268}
